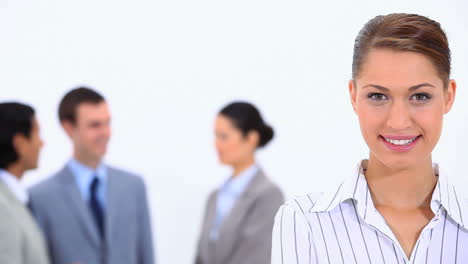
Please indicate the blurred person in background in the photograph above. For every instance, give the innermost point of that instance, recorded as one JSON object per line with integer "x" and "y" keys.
{"x": 239, "y": 215}
{"x": 21, "y": 240}
{"x": 90, "y": 212}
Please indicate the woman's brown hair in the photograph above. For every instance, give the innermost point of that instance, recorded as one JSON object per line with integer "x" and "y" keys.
{"x": 404, "y": 32}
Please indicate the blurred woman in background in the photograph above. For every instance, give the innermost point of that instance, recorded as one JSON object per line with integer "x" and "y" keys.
{"x": 239, "y": 214}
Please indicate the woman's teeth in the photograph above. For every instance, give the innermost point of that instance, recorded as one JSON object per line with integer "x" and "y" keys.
{"x": 400, "y": 142}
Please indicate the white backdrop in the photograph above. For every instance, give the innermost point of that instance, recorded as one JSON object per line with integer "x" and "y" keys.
{"x": 167, "y": 67}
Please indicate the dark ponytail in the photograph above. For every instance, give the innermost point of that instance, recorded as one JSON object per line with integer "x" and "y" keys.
{"x": 246, "y": 118}
{"x": 266, "y": 135}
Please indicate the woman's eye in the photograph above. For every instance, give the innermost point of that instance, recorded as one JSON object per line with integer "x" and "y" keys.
{"x": 421, "y": 97}
{"x": 377, "y": 96}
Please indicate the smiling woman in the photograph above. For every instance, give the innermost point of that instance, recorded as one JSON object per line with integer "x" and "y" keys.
{"x": 399, "y": 98}
{"x": 397, "y": 207}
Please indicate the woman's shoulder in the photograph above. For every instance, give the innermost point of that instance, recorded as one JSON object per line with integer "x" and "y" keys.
{"x": 297, "y": 212}
{"x": 301, "y": 204}
{"x": 267, "y": 185}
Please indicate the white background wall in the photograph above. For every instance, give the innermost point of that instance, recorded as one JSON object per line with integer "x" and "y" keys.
{"x": 167, "y": 67}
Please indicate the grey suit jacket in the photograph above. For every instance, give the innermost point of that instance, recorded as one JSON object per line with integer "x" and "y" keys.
{"x": 21, "y": 241}
{"x": 71, "y": 233}
{"x": 245, "y": 234}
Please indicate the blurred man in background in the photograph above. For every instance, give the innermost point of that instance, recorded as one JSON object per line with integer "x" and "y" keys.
{"x": 21, "y": 241}
{"x": 92, "y": 213}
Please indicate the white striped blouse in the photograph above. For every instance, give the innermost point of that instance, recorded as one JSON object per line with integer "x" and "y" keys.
{"x": 343, "y": 226}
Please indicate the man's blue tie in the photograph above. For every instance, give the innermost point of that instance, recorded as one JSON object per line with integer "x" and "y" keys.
{"x": 96, "y": 207}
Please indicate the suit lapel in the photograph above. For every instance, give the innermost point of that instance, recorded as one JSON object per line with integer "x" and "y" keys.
{"x": 78, "y": 206}
{"x": 112, "y": 203}
{"x": 210, "y": 215}
{"x": 229, "y": 231}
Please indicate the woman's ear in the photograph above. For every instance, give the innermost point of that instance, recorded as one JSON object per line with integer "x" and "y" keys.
{"x": 352, "y": 93}
{"x": 449, "y": 94}
{"x": 253, "y": 137}
{"x": 19, "y": 142}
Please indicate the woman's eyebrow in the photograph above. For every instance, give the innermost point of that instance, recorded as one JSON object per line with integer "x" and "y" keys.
{"x": 377, "y": 87}
{"x": 415, "y": 87}
{"x": 412, "y": 88}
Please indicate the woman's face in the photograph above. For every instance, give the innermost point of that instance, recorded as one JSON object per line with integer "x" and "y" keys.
{"x": 232, "y": 146}
{"x": 400, "y": 102}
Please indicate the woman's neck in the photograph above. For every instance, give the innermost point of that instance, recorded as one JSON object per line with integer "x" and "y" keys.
{"x": 242, "y": 166}
{"x": 405, "y": 189}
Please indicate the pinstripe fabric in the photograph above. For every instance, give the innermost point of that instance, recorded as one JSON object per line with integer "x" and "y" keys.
{"x": 343, "y": 226}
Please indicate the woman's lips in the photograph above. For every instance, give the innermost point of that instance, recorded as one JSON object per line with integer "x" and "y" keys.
{"x": 400, "y": 143}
